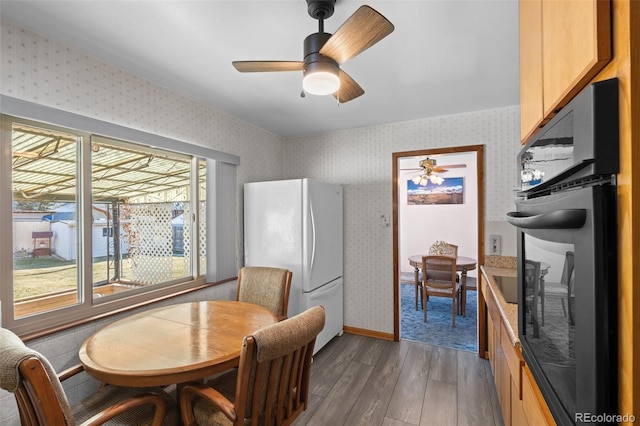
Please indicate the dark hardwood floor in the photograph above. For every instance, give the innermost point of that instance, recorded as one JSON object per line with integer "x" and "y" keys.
{"x": 358, "y": 380}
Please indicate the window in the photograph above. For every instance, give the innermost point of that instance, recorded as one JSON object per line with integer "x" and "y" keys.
{"x": 100, "y": 223}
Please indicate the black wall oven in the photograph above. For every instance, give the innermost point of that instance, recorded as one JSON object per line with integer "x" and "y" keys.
{"x": 567, "y": 265}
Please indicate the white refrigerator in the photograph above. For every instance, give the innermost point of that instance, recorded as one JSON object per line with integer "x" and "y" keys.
{"x": 297, "y": 224}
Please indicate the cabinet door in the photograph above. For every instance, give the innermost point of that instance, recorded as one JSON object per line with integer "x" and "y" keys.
{"x": 533, "y": 405}
{"x": 576, "y": 45}
{"x": 517, "y": 410}
{"x": 504, "y": 386}
{"x": 531, "y": 108}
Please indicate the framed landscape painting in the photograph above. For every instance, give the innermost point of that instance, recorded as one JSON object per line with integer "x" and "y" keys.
{"x": 451, "y": 191}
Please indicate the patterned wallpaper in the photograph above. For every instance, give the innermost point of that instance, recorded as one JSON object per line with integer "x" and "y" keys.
{"x": 44, "y": 71}
{"x": 361, "y": 160}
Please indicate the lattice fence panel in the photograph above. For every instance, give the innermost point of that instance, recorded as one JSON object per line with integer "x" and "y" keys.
{"x": 203, "y": 238}
{"x": 148, "y": 227}
{"x": 187, "y": 224}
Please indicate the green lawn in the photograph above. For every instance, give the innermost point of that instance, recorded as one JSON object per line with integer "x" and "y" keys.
{"x": 37, "y": 276}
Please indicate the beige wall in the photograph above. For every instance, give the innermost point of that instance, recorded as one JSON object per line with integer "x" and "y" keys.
{"x": 361, "y": 160}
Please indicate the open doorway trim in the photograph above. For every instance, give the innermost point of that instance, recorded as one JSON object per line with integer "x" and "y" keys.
{"x": 479, "y": 150}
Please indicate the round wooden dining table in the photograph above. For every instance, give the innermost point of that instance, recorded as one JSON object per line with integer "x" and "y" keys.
{"x": 173, "y": 344}
{"x": 463, "y": 264}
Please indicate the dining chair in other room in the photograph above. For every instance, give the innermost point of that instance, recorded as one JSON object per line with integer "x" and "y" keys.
{"x": 410, "y": 278}
{"x": 270, "y": 385}
{"x": 443, "y": 248}
{"x": 267, "y": 287}
{"x": 439, "y": 280}
{"x": 41, "y": 399}
{"x": 532, "y": 292}
{"x": 563, "y": 289}
{"x": 567, "y": 280}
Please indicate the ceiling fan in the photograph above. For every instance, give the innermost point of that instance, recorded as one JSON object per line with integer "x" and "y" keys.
{"x": 324, "y": 53}
{"x": 428, "y": 169}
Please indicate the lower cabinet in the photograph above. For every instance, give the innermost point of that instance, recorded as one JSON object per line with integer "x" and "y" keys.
{"x": 520, "y": 400}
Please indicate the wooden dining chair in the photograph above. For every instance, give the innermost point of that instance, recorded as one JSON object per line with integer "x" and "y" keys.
{"x": 444, "y": 248}
{"x": 270, "y": 385}
{"x": 265, "y": 286}
{"x": 439, "y": 280}
{"x": 532, "y": 274}
{"x": 42, "y": 401}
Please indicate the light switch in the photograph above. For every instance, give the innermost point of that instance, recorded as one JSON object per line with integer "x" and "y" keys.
{"x": 495, "y": 244}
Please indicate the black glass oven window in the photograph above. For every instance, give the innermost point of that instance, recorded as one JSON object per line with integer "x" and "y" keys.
{"x": 549, "y": 296}
{"x": 549, "y": 156}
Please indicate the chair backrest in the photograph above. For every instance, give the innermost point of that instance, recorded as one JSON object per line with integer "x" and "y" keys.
{"x": 35, "y": 384}
{"x": 439, "y": 271}
{"x": 274, "y": 369}
{"x": 444, "y": 248}
{"x": 567, "y": 270}
{"x": 265, "y": 286}
{"x": 532, "y": 276}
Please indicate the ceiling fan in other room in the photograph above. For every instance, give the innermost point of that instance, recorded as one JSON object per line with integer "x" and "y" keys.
{"x": 428, "y": 171}
{"x": 324, "y": 53}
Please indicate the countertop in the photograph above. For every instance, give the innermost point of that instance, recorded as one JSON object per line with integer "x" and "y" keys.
{"x": 508, "y": 311}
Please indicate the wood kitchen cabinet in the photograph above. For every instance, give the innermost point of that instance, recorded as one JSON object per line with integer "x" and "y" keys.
{"x": 520, "y": 400}
{"x": 563, "y": 45}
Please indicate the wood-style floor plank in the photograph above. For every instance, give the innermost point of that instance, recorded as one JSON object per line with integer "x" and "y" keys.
{"x": 473, "y": 391}
{"x": 444, "y": 365}
{"x": 358, "y": 380}
{"x": 440, "y": 404}
{"x": 406, "y": 401}
{"x": 372, "y": 403}
{"x": 337, "y": 405}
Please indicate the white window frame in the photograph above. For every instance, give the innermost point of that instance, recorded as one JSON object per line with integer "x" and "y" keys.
{"x": 220, "y": 214}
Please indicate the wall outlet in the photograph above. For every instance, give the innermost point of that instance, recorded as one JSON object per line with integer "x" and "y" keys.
{"x": 495, "y": 244}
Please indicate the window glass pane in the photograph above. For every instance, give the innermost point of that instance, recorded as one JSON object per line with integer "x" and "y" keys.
{"x": 45, "y": 269}
{"x": 140, "y": 201}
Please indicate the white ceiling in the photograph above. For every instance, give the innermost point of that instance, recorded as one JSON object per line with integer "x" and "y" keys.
{"x": 444, "y": 57}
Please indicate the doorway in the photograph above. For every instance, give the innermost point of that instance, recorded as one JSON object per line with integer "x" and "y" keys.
{"x": 403, "y": 201}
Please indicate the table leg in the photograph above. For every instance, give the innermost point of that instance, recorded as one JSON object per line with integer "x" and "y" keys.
{"x": 463, "y": 283}
{"x": 416, "y": 284}
{"x": 542, "y": 298}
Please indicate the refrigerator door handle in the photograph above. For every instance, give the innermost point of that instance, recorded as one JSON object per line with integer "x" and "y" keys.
{"x": 313, "y": 237}
{"x": 326, "y": 288}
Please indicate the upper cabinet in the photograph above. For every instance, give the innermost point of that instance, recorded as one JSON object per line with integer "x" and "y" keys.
{"x": 563, "y": 45}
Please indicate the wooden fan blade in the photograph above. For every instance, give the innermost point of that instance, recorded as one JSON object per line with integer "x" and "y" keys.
{"x": 359, "y": 32}
{"x": 349, "y": 89}
{"x": 442, "y": 169}
{"x": 454, "y": 166}
{"x": 267, "y": 66}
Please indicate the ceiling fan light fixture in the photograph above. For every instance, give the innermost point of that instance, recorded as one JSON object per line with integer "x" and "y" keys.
{"x": 321, "y": 78}
{"x": 436, "y": 180}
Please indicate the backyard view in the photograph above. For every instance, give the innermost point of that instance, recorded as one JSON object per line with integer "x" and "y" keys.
{"x": 139, "y": 218}
{"x": 43, "y": 275}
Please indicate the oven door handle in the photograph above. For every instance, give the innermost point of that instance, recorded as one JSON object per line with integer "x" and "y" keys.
{"x": 557, "y": 219}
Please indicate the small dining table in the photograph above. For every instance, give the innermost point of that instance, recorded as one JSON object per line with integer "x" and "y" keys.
{"x": 173, "y": 344}
{"x": 463, "y": 264}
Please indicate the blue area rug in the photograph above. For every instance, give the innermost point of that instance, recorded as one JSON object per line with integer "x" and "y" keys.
{"x": 438, "y": 331}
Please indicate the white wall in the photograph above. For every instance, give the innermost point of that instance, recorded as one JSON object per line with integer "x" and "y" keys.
{"x": 361, "y": 160}
{"x": 419, "y": 226}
